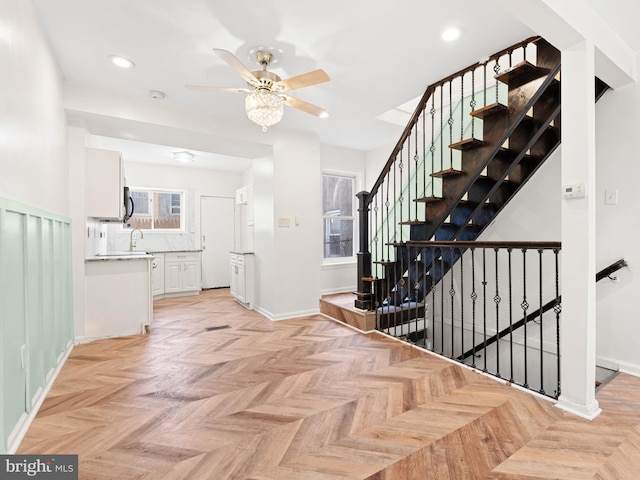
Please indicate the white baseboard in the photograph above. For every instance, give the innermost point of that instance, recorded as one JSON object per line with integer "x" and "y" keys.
{"x": 331, "y": 291}
{"x": 20, "y": 430}
{"x": 620, "y": 365}
{"x": 287, "y": 316}
{"x": 588, "y": 412}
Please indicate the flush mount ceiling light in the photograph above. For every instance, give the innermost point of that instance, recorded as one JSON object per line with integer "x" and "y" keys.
{"x": 121, "y": 62}
{"x": 184, "y": 157}
{"x": 451, "y": 34}
{"x": 265, "y": 100}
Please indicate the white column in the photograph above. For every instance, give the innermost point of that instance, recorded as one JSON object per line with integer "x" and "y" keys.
{"x": 578, "y": 323}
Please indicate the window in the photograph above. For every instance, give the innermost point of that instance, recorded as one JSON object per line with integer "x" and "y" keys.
{"x": 338, "y": 216}
{"x": 156, "y": 210}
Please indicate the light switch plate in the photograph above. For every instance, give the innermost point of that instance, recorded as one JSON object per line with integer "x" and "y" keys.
{"x": 611, "y": 197}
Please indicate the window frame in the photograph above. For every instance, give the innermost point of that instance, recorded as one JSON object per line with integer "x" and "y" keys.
{"x": 356, "y": 178}
{"x": 152, "y": 191}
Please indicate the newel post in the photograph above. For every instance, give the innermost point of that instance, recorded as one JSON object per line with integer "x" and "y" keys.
{"x": 364, "y": 295}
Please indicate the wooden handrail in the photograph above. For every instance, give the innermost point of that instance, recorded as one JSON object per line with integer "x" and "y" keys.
{"x": 550, "y": 245}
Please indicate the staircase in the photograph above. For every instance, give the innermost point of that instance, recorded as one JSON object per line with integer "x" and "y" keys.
{"x": 474, "y": 140}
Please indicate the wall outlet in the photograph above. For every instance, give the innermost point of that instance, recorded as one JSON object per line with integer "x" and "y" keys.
{"x": 284, "y": 222}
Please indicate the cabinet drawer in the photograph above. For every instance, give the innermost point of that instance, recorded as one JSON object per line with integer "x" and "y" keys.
{"x": 182, "y": 257}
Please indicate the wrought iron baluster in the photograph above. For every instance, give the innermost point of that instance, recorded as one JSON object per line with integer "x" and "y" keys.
{"x": 497, "y": 300}
{"x": 474, "y": 297}
{"x": 433, "y": 295}
{"x": 510, "y": 54}
{"x": 423, "y": 260}
{"x": 424, "y": 154}
{"x": 452, "y": 293}
{"x": 462, "y": 107}
{"x": 441, "y": 128}
{"x": 442, "y": 299}
{"x": 408, "y": 179}
{"x": 509, "y": 250}
{"x": 496, "y": 70}
{"x": 557, "y": 308}
{"x": 525, "y": 307}
{"x": 450, "y": 122}
{"x": 415, "y": 158}
{"x": 433, "y": 146}
{"x": 540, "y": 251}
{"x": 388, "y": 220}
{"x": 401, "y": 198}
{"x": 472, "y": 104}
{"x": 484, "y": 90}
{"x": 484, "y": 307}
{"x": 460, "y": 252}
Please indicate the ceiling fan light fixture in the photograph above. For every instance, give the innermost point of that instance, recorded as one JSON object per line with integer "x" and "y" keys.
{"x": 264, "y": 108}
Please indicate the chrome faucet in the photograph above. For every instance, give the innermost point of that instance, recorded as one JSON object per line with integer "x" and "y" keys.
{"x": 132, "y": 241}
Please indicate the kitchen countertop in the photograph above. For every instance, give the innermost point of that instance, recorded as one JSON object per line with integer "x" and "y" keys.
{"x": 124, "y": 257}
{"x": 142, "y": 255}
{"x": 175, "y": 251}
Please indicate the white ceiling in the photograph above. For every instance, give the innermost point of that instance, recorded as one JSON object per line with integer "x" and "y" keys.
{"x": 379, "y": 55}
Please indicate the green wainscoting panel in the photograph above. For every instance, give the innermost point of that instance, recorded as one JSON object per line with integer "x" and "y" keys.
{"x": 36, "y": 306}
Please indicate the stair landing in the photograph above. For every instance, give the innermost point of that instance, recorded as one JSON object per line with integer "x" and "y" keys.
{"x": 339, "y": 306}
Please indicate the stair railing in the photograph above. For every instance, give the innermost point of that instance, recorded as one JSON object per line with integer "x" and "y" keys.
{"x": 440, "y": 119}
{"x": 479, "y": 311}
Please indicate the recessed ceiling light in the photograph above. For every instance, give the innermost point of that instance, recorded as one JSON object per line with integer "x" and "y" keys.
{"x": 451, "y": 34}
{"x": 324, "y": 114}
{"x": 121, "y": 62}
{"x": 184, "y": 156}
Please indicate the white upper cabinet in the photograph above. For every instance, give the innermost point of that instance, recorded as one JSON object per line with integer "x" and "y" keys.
{"x": 104, "y": 184}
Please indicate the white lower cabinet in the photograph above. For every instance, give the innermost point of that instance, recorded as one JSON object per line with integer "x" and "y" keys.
{"x": 157, "y": 274}
{"x": 182, "y": 272}
{"x": 242, "y": 278}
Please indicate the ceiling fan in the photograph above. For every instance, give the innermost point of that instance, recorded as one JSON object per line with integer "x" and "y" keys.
{"x": 265, "y": 93}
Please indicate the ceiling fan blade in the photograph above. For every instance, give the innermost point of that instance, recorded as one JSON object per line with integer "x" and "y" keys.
{"x": 205, "y": 88}
{"x": 303, "y": 80}
{"x": 304, "y": 106}
{"x": 237, "y": 65}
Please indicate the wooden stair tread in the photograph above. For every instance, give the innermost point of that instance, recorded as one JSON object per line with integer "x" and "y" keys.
{"x": 385, "y": 262}
{"x": 489, "y": 110}
{"x": 449, "y": 172}
{"x": 429, "y": 199}
{"x": 522, "y": 70}
{"x": 466, "y": 144}
{"x": 413, "y": 222}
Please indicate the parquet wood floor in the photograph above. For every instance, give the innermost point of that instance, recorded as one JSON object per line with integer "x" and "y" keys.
{"x": 218, "y": 392}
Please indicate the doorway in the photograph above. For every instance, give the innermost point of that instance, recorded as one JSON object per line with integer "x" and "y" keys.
{"x": 217, "y": 227}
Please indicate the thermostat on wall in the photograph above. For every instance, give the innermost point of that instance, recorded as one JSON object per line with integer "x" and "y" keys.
{"x": 575, "y": 190}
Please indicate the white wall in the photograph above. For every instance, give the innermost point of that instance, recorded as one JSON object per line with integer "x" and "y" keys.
{"x": 32, "y": 122}
{"x": 294, "y": 254}
{"x": 195, "y": 183}
{"x": 618, "y": 226}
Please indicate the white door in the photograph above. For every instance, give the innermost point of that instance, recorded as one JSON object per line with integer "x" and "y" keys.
{"x": 217, "y": 226}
